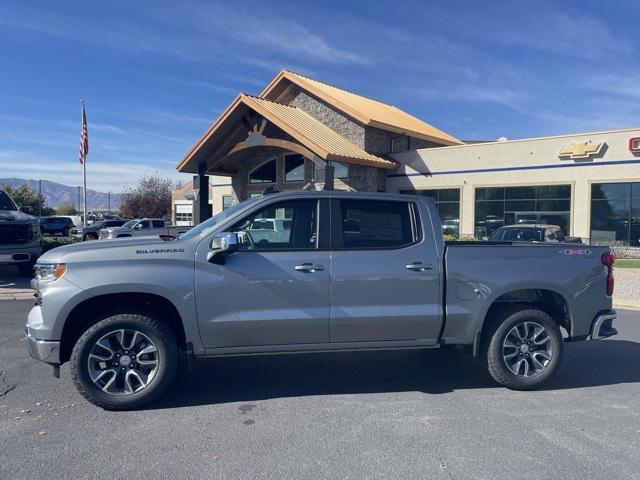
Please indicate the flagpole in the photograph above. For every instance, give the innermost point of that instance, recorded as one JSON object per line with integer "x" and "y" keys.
{"x": 84, "y": 179}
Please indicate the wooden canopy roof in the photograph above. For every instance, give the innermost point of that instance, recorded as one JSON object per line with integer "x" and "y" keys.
{"x": 316, "y": 139}
{"x": 365, "y": 110}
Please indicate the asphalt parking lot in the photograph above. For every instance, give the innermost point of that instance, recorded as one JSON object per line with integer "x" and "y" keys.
{"x": 409, "y": 414}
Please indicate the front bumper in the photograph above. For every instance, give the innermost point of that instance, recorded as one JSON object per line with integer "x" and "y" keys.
{"x": 44, "y": 350}
{"x": 602, "y": 325}
{"x": 19, "y": 254}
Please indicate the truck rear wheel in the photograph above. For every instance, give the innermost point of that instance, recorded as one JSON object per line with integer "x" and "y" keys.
{"x": 124, "y": 361}
{"x": 524, "y": 349}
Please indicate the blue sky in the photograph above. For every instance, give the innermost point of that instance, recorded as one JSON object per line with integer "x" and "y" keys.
{"x": 156, "y": 74}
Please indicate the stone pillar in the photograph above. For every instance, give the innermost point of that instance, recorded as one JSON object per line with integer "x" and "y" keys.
{"x": 323, "y": 176}
{"x": 201, "y": 207}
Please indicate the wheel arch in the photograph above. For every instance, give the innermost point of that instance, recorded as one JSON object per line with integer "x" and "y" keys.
{"x": 87, "y": 313}
{"x": 549, "y": 300}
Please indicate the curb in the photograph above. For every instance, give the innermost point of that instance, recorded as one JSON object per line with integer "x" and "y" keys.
{"x": 627, "y": 304}
{"x": 8, "y": 294}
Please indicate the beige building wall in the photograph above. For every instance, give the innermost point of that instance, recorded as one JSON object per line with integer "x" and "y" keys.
{"x": 219, "y": 187}
{"x": 527, "y": 162}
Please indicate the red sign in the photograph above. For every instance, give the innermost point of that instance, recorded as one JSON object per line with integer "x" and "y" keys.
{"x": 634, "y": 145}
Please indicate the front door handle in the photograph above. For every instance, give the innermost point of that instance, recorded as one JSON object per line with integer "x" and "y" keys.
{"x": 308, "y": 267}
{"x": 419, "y": 266}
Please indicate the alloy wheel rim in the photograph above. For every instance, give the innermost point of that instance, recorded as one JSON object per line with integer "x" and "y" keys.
{"x": 123, "y": 362}
{"x": 527, "y": 349}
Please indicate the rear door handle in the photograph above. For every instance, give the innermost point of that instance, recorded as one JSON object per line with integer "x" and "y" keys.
{"x": 308, "y": 267}
{"x": 419, "y": 266}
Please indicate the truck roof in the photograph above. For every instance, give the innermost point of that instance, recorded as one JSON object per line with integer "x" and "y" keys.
{"x": 344, "y": 193}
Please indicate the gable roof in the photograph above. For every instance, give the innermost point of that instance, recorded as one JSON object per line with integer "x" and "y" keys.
{"x": 314, "y": 135}
{"x": 365, "y": 110}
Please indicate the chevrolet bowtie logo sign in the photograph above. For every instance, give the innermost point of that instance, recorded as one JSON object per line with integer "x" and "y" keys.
{"x": 580, "y": 150}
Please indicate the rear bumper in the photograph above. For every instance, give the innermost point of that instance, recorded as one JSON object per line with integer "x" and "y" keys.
{"x": 44, "y": 350}
{"x": 602, "y": 325}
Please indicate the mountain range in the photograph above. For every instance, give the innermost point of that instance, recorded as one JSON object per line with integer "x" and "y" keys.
{"x": 57, "y": 193}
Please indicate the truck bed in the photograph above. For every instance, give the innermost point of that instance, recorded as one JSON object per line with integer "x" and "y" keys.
{"x": 479, "y": 275}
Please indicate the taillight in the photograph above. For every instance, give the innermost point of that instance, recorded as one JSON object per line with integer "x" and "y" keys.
{"x": 608, "y": 259}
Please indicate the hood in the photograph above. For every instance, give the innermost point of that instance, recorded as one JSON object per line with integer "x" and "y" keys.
{"x": 15, "y": 216}
{"x": 101, "y": 248}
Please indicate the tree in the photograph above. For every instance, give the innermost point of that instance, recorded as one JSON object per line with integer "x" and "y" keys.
{"x": 24, "y": 196}
{"x": 66, "y": 208}
{"x": 151, "y": 198}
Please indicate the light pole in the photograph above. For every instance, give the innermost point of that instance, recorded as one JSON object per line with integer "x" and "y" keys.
{"x": 39, "y": 198}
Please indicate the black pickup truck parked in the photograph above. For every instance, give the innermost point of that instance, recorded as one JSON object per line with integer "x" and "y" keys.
{"x": 20, "y": 239}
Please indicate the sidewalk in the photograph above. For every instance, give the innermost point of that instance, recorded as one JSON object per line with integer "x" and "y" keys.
{"x": 13, "y": 286}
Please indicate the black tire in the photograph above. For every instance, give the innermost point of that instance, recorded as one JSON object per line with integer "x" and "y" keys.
{"x": 495, "y": 337}
{"x": 168, "y": 360}
{"x": 26, "y": 269}
{"x": 89, "y": 236}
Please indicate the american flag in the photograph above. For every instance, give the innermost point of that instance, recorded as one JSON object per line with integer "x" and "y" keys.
{"x": 84, "y": 138}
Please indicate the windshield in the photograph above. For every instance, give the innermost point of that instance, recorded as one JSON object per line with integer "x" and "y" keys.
{"x": 206, "y": 226}
{"x": 99, "y": 224}
{"x": 6, "y": 203}
{"x": 129, "y": 224}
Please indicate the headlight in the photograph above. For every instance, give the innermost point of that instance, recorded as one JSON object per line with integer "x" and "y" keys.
{"x": 49, "y": 272}
{"x": 35, "y": 230}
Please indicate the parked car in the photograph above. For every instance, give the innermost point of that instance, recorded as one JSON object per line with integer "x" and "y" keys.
{"x": 56, "y": 226}
{"x": 76, "y": 219}
{"x": 93, "y": 231}
{"x": 350, "y": 271}
{"x": 20, "y": 237}
{"x": 531, "y": 233}
{"x": 145, "y": 227}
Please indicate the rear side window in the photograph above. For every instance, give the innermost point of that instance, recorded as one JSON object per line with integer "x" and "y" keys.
{"x": 158, "y": 224}
{"x": 371, "y": 224}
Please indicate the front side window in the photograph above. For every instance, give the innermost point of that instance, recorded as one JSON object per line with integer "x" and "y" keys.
{"x": 265, "y": 173}
{"x": 293, "y": 168}
{"x": 371, "y": 224}
{"x": 145, "y": 224}
{"x": 288, "y": 225}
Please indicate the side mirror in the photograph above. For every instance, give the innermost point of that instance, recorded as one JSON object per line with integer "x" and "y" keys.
{"x": 138, "y": 227}
{"x": 223, "y": 243}
{"x": 485, "y": 239}
{"x": 27, "y": 209}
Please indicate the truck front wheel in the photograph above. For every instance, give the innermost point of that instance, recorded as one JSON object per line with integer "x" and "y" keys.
{"x": 523, "y": 349}
{"x": 124, "y": 361}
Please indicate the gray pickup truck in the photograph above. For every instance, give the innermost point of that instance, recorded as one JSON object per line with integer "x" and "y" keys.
{"x": 353, "y": 271}
{"x": 20, "y": 236}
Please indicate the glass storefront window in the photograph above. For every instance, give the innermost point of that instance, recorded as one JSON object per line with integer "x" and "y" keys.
{"x": 615, "y": 213}
{"x": 448, "y": 204}
{"x": 539, "y": 204}
{"x": 293, "y": 168}
{"x": 265, "y": 173}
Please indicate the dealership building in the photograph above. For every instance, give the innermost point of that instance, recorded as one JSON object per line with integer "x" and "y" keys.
{"x": 300, "y": 133}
